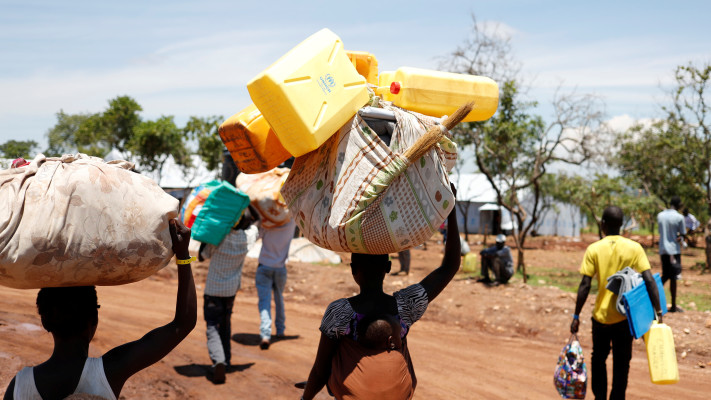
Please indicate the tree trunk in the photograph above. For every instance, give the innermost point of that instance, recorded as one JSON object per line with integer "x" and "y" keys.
{"x": 521, "y": 264}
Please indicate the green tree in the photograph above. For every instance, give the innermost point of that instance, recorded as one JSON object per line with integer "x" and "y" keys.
{"x": 593, "y": 194}
{"x": 209, "y": 145}
{"x": 515, "y": 147}
{"x": 154, "y": 141}
{"x": 18, "y": 148}
{"x": 62, "y": 136}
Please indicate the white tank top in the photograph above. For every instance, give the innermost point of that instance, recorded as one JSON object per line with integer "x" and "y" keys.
{"x": 93, "y": 381}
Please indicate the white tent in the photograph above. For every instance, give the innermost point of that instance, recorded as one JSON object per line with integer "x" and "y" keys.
{"x": 172, "y": 176}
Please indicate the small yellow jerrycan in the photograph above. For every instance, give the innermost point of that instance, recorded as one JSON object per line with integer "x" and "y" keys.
{"x": 663, "y": 369}
{"x": 251, "y": 141}
{"x": 469, "y": 263}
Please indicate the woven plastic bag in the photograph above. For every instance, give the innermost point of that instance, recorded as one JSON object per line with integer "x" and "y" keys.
{"x": 263, "y": 191}
{"x": 193, "y": 204}
{"x": 355, "y": 194}
{"x": 77, "y": 220}
{"x": 571, "y": 374}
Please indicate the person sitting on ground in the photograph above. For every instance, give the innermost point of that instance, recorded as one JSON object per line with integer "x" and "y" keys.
{"x": 70, "y": 314}
{"x": 498, "y": 259}
{"x": 350, "y": 369}
{"x": 224, "y": 278}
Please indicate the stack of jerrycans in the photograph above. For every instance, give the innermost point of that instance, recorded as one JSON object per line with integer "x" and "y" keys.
{"x": 313, "y": 90}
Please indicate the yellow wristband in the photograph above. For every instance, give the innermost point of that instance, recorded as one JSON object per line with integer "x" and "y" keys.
{"x": 188, "y": 261}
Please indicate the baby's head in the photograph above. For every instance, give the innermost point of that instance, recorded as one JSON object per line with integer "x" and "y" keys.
{"x": 380, "y": 332}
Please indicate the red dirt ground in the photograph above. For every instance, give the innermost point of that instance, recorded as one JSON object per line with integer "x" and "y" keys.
{"x": 474, "y": 342}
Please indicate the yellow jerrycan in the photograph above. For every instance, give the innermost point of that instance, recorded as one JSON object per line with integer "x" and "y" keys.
{"x": 663, "y": 369}
{"x": 438, "y": 93}
{"x": 309, "y": 93}
{"x": 469, "y": 263}
{"x": 366, "y": 64}
{"x": 251, "y": 141}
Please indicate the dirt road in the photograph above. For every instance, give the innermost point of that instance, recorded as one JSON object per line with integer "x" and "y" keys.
{"x": 474, "y": 342}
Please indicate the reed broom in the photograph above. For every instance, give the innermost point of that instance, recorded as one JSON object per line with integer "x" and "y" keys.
{"x": 434, "y": 134}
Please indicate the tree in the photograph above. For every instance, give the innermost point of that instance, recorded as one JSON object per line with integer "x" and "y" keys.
{"x": 17, "y": 149}
{"x": 205, "y": 132}
{"x": 514, "y": 148}
{"x": 62, "y": 136}
{"x": 151, "y": 142}
{"x": 154, "y": 141}
{"x": 592, "y": 195}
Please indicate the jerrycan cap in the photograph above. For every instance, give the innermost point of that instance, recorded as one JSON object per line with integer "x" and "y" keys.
{"x": 395, "y": 87}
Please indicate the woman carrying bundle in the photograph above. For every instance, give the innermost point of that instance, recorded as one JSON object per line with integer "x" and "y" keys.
{"x": 70, "y": 314}
{"x": 357, "y": 367}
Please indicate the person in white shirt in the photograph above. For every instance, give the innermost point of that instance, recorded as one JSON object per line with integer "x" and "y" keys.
{"x": 672, "y": 231}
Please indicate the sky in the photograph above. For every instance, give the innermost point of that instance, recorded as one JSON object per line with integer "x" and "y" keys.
{"x": 194, "y": 58}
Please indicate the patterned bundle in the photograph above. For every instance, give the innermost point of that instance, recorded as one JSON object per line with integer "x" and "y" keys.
{"x": 77, "y": 220}
{"x": 355, "y": 194}
{"x": 263, "y": 191}
{"x": 571, "y": 374}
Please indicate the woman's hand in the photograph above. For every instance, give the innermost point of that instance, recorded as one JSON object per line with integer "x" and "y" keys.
{"x": 181, "y": 238}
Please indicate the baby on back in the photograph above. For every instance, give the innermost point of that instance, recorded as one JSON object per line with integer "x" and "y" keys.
{"x": 379, "y": 332}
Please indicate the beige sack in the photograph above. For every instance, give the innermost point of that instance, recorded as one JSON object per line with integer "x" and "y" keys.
{"x": 355, "y": 194}
{"x": 77, "y": 220}
{"x": 263, "y": 191}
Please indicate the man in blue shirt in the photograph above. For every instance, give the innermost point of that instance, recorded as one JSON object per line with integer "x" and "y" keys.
{"x": 672, "y": 231}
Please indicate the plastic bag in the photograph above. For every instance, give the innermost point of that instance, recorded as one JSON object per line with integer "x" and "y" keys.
{"x": 571, "y": 374}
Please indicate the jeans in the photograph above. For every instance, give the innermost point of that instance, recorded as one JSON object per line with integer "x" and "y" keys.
{"x": 603, "y": 335}
{"x": 270, "y": 279}
{"x": 218, "y": 313}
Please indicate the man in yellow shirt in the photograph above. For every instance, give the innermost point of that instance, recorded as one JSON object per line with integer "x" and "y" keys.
{"x": 610, "y": 330}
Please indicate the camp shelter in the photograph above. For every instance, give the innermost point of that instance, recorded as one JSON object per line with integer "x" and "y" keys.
{"x": 478, "y": 210}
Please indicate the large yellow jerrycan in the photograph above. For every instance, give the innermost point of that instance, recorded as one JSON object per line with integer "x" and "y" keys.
{"x": 251, "y": 141}
{"x": 309, "y": 93}
{"x": 438, "y": 93}
{"x": 366, "y": 64}
{"x": 663, "y": 369}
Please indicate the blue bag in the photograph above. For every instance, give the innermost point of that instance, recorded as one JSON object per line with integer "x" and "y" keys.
{"x": 221, "y": 211}
{"x": 639, "y": 309}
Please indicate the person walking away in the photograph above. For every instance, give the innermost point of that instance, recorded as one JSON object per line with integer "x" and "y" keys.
{"x": 610, "y": 329}
{"x": 403, "y": 258}
{"x": 672, "y": 231}
{"x": 71, "y": 315}
{"x": 356, "y": 364}
{"x": 498, "y": 259}
{"x": 271, "y": 278}
{"x": 224, "y": 277}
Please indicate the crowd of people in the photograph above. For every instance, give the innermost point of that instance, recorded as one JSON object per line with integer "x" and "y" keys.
{"x": 363, "y": 351}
